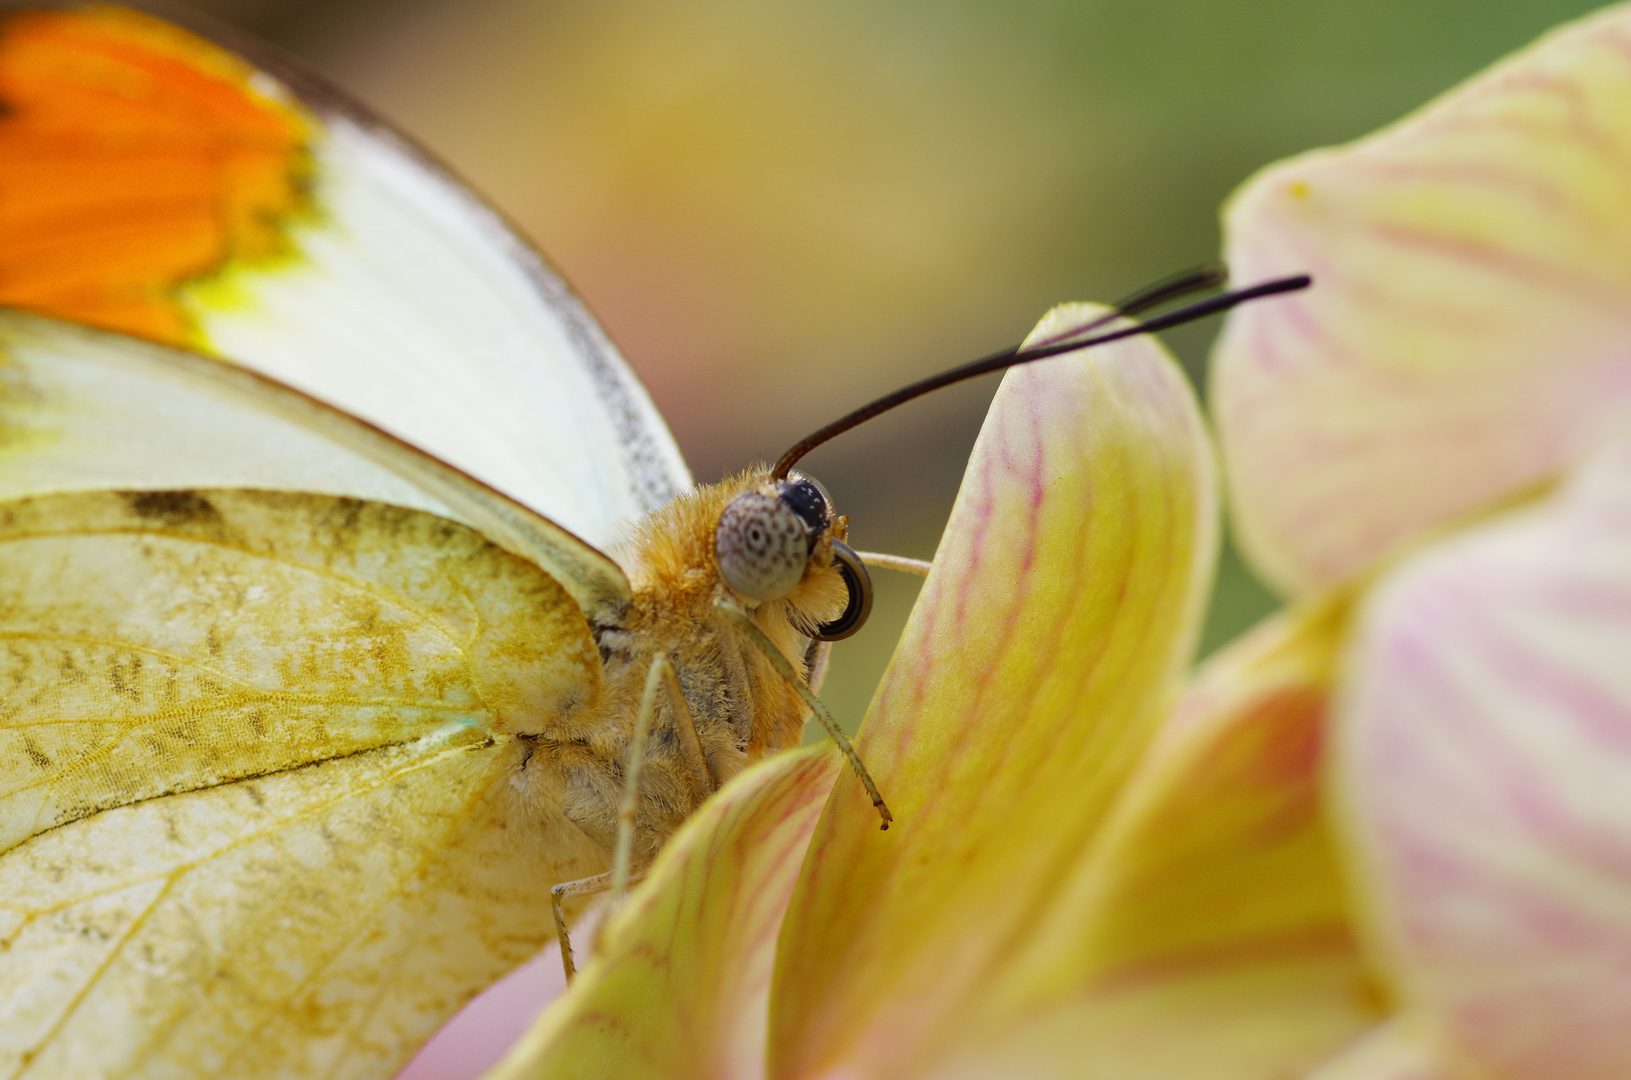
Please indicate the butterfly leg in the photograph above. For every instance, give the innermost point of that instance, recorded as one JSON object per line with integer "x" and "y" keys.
{"x": 660, "y": 678}
{"x": 785, "y": 669}
{"x": 582, "y": 887}
{"x": 704, "y": 780}
{"x": 629, "y": 809}
{"x": 880, "y": 561}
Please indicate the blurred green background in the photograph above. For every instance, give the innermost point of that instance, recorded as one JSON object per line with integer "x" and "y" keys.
{"x": 782, "y": 208}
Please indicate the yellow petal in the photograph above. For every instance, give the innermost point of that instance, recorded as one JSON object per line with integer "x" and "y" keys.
{"x": 1211, "y": 903}
{"x": 1398, "y": 1050}
{"x": 679, "y": 986}
{"x": 1219, "y": 846}
{"x": 1229, "y": 1023}
{"x": 1486, "y": 759}
{"x": 1466, "y": 332}
{"x": 1062, "y": 606}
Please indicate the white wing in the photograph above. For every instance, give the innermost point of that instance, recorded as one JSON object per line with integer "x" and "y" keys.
{"x": 416, "y": 308}
{"x": 82, "y": 409}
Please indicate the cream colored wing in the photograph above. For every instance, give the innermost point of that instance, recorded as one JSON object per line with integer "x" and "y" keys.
{"x": 266, "y": 807}
{"x": 84, "y": 409}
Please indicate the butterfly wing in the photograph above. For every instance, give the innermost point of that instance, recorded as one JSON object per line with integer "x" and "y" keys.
{"x": 264, "y": 803}
{"x": 82, "y": 409}
{"x": 278, "y": 788}
{"x": 157, "y": 184}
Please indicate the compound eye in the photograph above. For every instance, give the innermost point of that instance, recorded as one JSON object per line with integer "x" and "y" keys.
{"x": 859, "y": 584}
{"x": 763, "y": 545}
{"x": 808, "y": 499}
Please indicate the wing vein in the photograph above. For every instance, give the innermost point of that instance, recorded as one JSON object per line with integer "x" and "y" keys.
{"x": 360, "y": 924}
{"x": 352, "y": 1032}
{"x": 286, "y": 770}
{"x": 78, "y": 997}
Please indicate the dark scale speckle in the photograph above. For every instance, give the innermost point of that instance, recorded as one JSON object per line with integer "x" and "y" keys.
{"x": 124, "y": 675}
{"x": 172, "y": 507}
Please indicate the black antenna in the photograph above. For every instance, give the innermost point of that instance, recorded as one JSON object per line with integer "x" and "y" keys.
{"x": 1152, "y": 296}
{"x": 1195, "y": 279}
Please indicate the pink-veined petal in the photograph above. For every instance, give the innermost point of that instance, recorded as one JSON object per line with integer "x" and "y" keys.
{"x": 1218, "y": 852}
{"x": 1218, "y": 938}
{"x": 1486, "y": 769}
{"x": 1467, "y": 333}
{"x": 1041, "y": 655}
{"x": 679, "y": 985}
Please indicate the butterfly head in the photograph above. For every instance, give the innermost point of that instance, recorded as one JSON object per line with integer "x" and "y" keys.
{"x": 781, "y": 540}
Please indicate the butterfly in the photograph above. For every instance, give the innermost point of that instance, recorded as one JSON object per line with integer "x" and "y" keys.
{"x": 322, "y": 660}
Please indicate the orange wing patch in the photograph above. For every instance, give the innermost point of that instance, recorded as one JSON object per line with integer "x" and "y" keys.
{"x": 134, "y": 156}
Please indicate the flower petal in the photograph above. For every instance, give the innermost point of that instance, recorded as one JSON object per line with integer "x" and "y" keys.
{"x": 1212, "y": 900}
{"x": 1042, "y": 653}
{"x": 679, "y": 985}
{"x": 1486, "y": 760}
{"x": 1218, "y": 852}
{"x": 1398, "y": 1050}
{"x": 1465, "y": 335}
{"x": 1252, "y": 1022}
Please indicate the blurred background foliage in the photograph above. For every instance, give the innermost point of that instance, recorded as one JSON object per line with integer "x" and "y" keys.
{"x": 782, "y": 208}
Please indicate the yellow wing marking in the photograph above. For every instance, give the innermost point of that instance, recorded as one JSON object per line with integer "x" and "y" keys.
{"x": 263, "y": 811}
